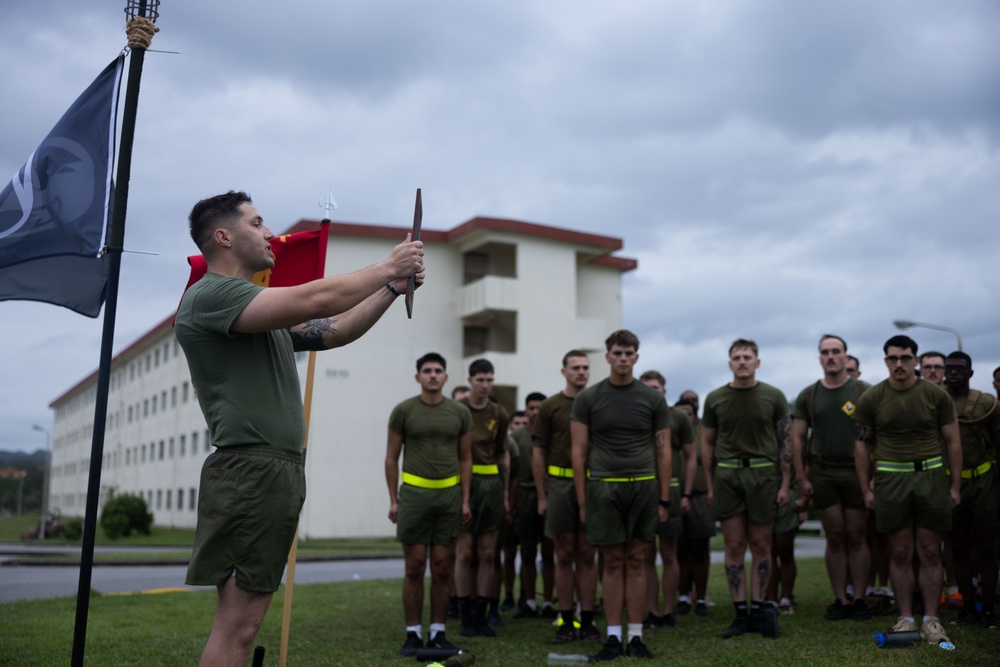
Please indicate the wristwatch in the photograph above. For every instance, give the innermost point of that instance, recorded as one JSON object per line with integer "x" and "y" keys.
{"x": 665, "y": 503}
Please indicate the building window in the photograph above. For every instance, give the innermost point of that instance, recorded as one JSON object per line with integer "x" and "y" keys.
{"x": 128, "y": 457}
{"x": 173, "y": 397}
{"x": 156, "y": 363}
{"x": 143, "y": 453}
{"x": 183, "y": 445}
{"x": 208, "y": 440}
{"x": 171, "y": 448}
{"x": 184, "y": 392}
{"x": 168, "y": 498}
{"x": 130, "y": 414}
{"x": 149, "y": 360}
{"x": 163, "y": 400}
{"x": 192, "y": 499}
{"x": 166, "y": 351}
{"x": 159, "y": 498}
{"x": 145, "y": 408}
{"x": 154, "y": 404}
{"x": 194, "y": 442}
{"x": 163, "y": 446}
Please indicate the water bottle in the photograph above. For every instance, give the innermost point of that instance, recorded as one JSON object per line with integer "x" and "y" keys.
{"x": 896, "y": 639}
{"x": 568, "y": 659}
{"x": 431, "y": 654}
{"x": 460, "y": 659}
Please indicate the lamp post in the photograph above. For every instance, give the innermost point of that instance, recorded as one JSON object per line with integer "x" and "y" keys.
{"x": 906, "y": 324}
{"x": 20, "y": 491}
{"x": 45, "y": 479}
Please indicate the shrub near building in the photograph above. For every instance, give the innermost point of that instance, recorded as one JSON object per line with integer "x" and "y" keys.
{"x": 123, "y": 514}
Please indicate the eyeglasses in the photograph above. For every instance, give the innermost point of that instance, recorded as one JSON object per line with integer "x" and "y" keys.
{"x": 905, "y": 358}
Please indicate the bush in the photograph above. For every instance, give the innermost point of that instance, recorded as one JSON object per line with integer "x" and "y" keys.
{"x": 123, "y": 514}
{"x": 74, "y": 528}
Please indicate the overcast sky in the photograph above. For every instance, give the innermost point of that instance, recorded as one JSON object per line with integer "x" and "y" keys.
{"x": 779, "y": 168}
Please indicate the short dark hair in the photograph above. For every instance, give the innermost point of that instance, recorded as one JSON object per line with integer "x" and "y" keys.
{"x": 221, "y": 210}
{"x": 480, "y": 366}
{"x": 518, "y": 413}
{"x": 571, "y": 354}
{"x": 654, "y": 375}
{"x": 461, "y": 387}
{"x": 622, "y": 337}
{"x": 902, "y": 342}
{"x": 431, "y": 356}
{"x": 825, "y": 336}
{"x": 855, "y": 360}
{"x": 932, "y": 353}
{"x": 741, "y": 343}
{"x": 534, "y": 396}
{"x": 958, "y": 354}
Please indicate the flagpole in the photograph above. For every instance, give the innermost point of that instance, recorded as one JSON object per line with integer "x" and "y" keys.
{"x": 142, "y": 15}
{"x": 286, "y": 611}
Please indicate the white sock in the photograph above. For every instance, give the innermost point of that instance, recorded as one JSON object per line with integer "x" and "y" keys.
{"x": 634, "y": 630}
{"x": 786, "y": 602}
{"x": 616, "y": 631}
{"x": 414, "y": 628}
{"x": 435, "y": 629}
{"x": 532, "y": 605}
{"x": 685, "y": 598}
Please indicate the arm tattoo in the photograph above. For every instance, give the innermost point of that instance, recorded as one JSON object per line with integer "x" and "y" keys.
{"x": 785, "y": 447}
{"x": 661, "y": 440}
{"x": 309, "y": 336}
{"x": 863, "y": 433}
{"x": 734, "y": 575}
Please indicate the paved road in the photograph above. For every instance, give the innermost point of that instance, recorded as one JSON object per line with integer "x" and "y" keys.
{"x": 34, "y": 582}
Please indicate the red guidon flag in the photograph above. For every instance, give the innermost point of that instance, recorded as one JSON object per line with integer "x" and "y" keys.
{"x": 298, "y": 258}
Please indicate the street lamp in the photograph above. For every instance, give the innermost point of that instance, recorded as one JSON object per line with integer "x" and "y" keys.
{"x": 45, "y": 479}
{"x": 906, "y": 324}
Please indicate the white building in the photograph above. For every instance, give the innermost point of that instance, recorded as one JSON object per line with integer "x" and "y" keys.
{"x": 516, "y": 293}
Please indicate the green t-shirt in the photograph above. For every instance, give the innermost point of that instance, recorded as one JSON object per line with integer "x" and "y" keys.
{"x": 522, "y": 440}
{"x": 430, "y": 435}
{"x": 551, "y": 430}
{"x": 832, "y": 434}
{"x": 622, "y": 422}
{"x": 744, "y": 420}
{"x": 906, "y": 423}
{"x": 489, "y": 432}
{"x": 680, "y": 435}
{"x": 247, "y": 384}
{"x": 977, "y": 432}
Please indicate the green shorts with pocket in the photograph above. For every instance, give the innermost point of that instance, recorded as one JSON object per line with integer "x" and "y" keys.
{"x": 836, "y": 484}
{"x": 699, "y": 522}
{"x": 786, "y": 519}
{"x": 528, "y": 524}
{"x": 979, "y": 501}
{"x": 428, "y": 516}
{"x": 618, "y": 512}
{"x": 562, "y": 512}
{"x": 248, "y": 511}
{"x": 750, "y": 491}
{"x": 486, "y": 502}
{"x": 913, "y": 499}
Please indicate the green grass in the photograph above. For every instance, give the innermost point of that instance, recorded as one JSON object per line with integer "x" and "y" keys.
{"x": 360, "y": 623}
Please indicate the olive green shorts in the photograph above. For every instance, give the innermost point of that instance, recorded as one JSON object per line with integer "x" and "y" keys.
{"x": 979, "y": 501}
{"x": 618, "y": 512}
{"x": 528, "y": 524}
{"x": 248, "y": 510}
{"x": 428, "y": 516}
{"x": 562, "y": 513}
{"x": 913, "y": 499}
{"x": 486, "y": 502}
{"x": 836, "y": 485}
{"x": 786, "y": 519}
{"x": 750, "y": 491}
{"x": 699, "y": 522}
{"x": 674, "y": 525}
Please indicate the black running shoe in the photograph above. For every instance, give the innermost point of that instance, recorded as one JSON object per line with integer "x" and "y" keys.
{"x": 700, "y": 609}
{"x": 548, "y": 611}
{"x": 739, "y": 626}
{"x": 612, "y": 649}
{"x": 838, "y": 611}
{"x": 440, "y": 641}
{"x": 652, "y": 621}
{"x": 589, "y": 633}
{"x": 564, "y": 634}
{"x": 636, "y": 649}
{"x": 508, "y": 603}
{"x": 988, "y": 620}
{"x": 668, "y": 621}
{"x": 860, "y": 610}
{"x": 409, "y": 649}
{"x": 682, "y": 607}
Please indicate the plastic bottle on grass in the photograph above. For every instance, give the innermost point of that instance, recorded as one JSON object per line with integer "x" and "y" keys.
{"x": 568, "y": 659}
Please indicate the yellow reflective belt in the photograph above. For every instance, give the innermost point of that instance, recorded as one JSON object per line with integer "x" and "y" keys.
{"x": 745, "y": 463}
{"x": 486, "y": 470}
{"x": 643, "y": 478}
{"x": 909, "y": 466}
{"x": 972, "y": 473}
{"x": 556, "y": 471}
{"x": 424, "y": 483}
{"x": 675, "y": 483}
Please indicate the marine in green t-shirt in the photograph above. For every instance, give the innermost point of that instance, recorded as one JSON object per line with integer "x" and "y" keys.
{"x": 975, "y": 520}
{"x": 745, "y": 431}
{"x": 823, "y": 437}
{"x": 902, "y": 421}
{"x": 434, "y": 436}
